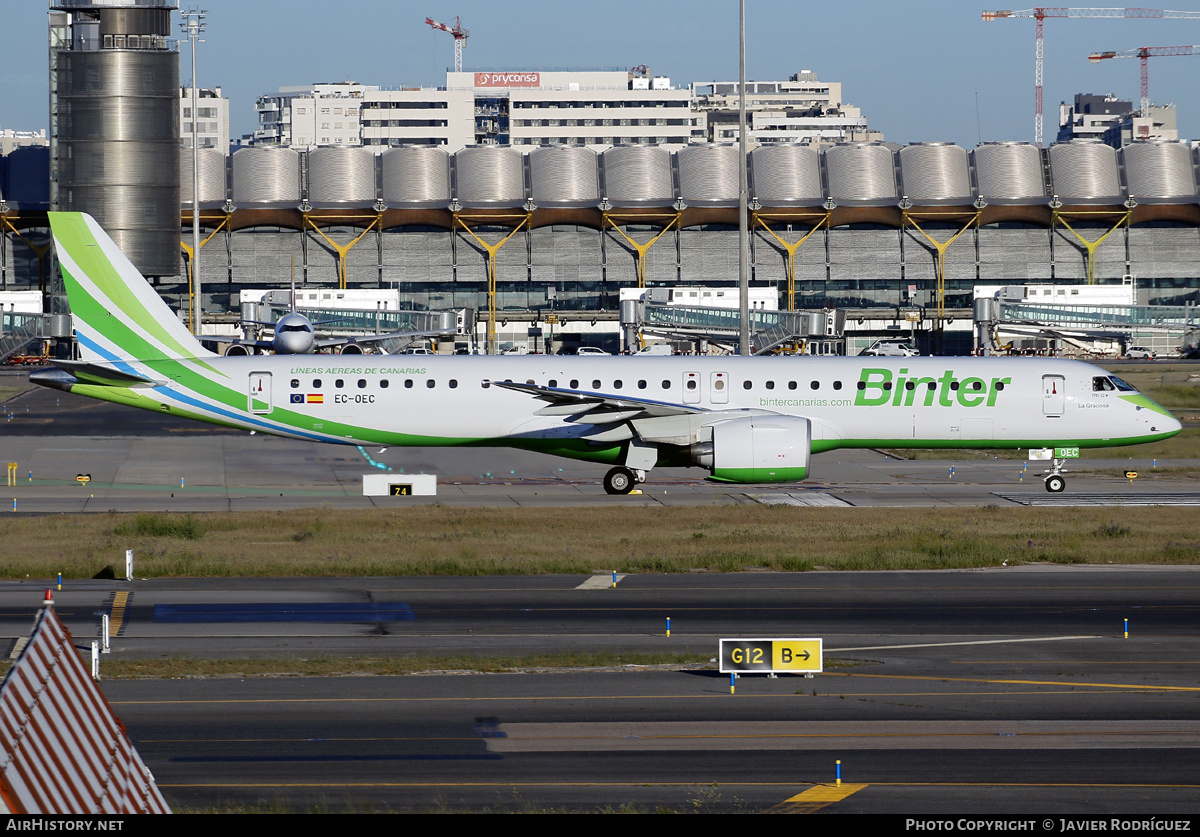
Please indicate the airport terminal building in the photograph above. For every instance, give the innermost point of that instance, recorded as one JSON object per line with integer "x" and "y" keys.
{"x": 536, "y": 191}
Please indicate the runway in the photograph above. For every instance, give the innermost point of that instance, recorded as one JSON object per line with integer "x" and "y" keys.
{"x": 135, "y": 461}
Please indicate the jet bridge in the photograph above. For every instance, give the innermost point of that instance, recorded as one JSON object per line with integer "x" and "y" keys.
{"x": 770, "y": 331}
{"x": 1163, "y": 327}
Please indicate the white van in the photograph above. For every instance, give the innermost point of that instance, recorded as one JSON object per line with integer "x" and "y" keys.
{"x": 890, "y": 347}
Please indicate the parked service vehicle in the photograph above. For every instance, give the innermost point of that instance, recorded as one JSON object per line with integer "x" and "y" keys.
{"x": 1140, "y": 352}
{"x": 890, "y": 347}
{"x": 591, "y": 350}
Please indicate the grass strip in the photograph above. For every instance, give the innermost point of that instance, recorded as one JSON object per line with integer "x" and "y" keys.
{"x": 452, "y": 541}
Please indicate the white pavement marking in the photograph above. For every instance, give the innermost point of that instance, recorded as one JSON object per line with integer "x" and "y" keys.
{"x": 806, "y": 498}
{"x": 600, "y": 582}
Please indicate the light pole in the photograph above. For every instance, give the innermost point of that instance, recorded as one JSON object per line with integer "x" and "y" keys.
{"x": 193, "y": 27}
{"x": 743, "y": 194}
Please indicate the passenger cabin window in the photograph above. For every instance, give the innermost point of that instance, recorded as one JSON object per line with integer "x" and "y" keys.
{"x": 339, "y": 383}
{"x": 295, "y": 383}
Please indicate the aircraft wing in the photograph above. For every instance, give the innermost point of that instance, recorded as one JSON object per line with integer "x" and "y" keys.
{"x": 622, "y": 418}
{"x": 597, "y": 407}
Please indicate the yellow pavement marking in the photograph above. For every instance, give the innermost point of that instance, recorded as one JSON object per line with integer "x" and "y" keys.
{"x": 816, "y": 798}
{"x": 116, "y": 618}
{"x": 1141, "y": 687}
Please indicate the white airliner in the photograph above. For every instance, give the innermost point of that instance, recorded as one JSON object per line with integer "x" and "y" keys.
{"x": 296, "y": 334}
{"x": 744, "y": 419}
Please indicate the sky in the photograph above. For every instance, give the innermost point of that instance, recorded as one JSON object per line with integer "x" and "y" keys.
{"x": 927, "y": 70}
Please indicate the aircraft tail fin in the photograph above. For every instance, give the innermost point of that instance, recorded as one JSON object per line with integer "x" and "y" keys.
{"x": 117, "y": 315}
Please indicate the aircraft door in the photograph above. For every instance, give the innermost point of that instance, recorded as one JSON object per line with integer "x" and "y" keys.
{"x": 691, "y": 387}
{"x": 718, "y": 387}
{"x": 1053, "y": 395}
{"x": 260, "y": 392}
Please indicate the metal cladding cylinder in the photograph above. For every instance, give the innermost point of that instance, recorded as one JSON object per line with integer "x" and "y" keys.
{"x": 416, "y": 176}
{"x": 212, "y": 177}
{"x": 935, "y": 173}
{"x": 341, "y": 177}
{"x": 638, "y": 175}
{"x": 708, "y": 174}
{"x": 1009, "y": 173}
{"x": 266, "y": 176}
{"x": 564, "y": 176}
{"x": 861, "y": 173}
{"x": 786, "y": 175}
{"x": 1085, "y": 172}
{"x": 489, "y": 176}
{"x": 1159, "y": 171}
{"x": 118, "y": 148}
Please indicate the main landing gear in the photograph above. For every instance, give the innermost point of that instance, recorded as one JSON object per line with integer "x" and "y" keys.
{"x": 623, "y": 480}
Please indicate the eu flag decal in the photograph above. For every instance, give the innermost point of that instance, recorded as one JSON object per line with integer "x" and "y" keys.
{"x": 297, "y": 398}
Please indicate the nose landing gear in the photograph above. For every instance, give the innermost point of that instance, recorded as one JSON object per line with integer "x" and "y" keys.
{"x": 1055, "y": 482}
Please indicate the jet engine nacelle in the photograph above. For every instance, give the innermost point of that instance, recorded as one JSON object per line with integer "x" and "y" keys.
{"x": 757, "y": 449}
{"x": 351, "y": 349}
{"x": 237, "y": 350}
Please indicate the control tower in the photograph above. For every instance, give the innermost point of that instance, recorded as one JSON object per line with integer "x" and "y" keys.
{"x": 114, "y": 123}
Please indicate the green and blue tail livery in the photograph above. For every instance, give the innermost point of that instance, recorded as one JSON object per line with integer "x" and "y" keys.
{"x": 118, "y": 315}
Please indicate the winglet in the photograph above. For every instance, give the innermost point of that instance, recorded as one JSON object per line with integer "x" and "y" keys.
{"x": 117, "y": 315}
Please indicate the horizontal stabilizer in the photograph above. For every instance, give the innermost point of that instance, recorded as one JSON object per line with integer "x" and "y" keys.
{"x": 88, "y": 373}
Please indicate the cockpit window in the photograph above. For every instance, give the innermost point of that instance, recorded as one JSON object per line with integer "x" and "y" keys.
{"x": 1102, "y": 384}
{"x": 1121, "y": 385}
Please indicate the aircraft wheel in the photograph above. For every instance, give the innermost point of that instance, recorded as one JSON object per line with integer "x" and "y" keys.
{"x": 619, "y": 481}
{"x": 1055, "y": 484}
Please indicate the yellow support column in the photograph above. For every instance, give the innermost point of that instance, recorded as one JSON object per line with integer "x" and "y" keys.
{"x": 191, "y": 279}
{"x": 491, "y": 250}
{"x": 640, "y": 249}
{"x": 791, "y": 249}
{"x": 940, "y": 247}
{"x": 1090, "y": 246}
{"x": 338, "y": 248}
{"x": 38, "y": 250}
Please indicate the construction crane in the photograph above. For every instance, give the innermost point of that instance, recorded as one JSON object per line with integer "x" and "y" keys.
{"x": 460, "y": 38}
{"x": 1042, "y": 12}
{"x": 1144, "y": 53}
